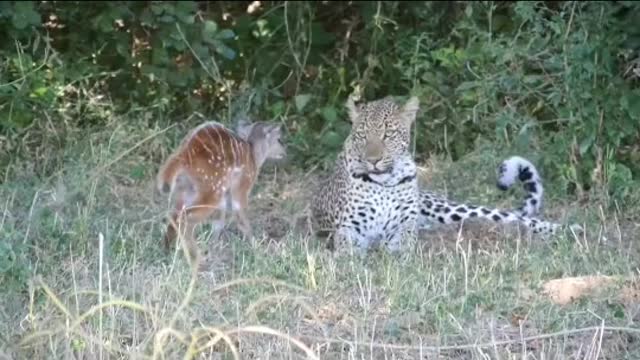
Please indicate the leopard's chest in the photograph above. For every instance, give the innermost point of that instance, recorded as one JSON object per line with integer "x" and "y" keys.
{"x": 377, "y": 211}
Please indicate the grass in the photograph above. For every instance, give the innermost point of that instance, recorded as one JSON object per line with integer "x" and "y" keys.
{"x": 83, "y": 275}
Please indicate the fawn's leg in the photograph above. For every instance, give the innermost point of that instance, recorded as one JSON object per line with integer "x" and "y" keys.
{"x": 240, "y": 201}
{"x": 184, "y": 200}
{"x": 176, "y": 222}
{"x": 188, "y": 217}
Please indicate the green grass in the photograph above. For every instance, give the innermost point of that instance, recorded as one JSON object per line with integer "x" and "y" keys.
{"x": 83, "y": 274}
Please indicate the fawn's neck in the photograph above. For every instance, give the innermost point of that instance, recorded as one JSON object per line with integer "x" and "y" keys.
{"x": 258, "y": 154}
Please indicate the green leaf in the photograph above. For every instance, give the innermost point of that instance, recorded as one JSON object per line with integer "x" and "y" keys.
{"x": 277, "y": 108}
{"x": 25, "y": 15}
{"x": 501, "y": 22}
{"x": 19, "y": 22}
{"x": 5, "y": 9}
{"x": 468, "y": 85}
{"x": 532, "y": 79}
{"x": 320, "y": 37}
{"x": 104, "y": 23}
{"x": 146, "y": 18}
{"x": 137, "y": 172}
{"x": 209, "y": 31}
{"x": 185, "y": 11}
{"x": 157, "y": 9}
{"x": 201, "y": 50}
{"x": 166, "y": 18}
{"x": 225, "y": 51}
{"x": 633, "y": 105}
{"x": 186, "y": 6}
{"x": 159, "y": 55}
{"x": 226, "y": 34}
{"x": 186, "y": 18}
{"x": 122, "y": 48}
{"x": 301, "y": 101}
{"x": 332, "y": 139}
{"x": 586, "y": 144}
{"x": 329, "y": 114}
{"x": 177, "y": 79}
{"x": 468, "y": 11}
{"x": 175, "y": 42}
{"x": 39, "y": 92}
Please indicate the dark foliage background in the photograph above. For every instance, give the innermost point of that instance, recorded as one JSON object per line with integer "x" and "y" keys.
{"x": 556, "y": 81}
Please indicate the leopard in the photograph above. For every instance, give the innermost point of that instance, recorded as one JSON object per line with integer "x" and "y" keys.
{"x": 372, "y": 196}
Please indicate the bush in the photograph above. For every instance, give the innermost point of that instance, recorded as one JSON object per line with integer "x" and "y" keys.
{"x": 555, "y": 81}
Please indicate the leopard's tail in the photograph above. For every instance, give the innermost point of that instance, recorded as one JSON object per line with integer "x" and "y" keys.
{"x": 435, "y": 209}
{"x": 518, "y": 168}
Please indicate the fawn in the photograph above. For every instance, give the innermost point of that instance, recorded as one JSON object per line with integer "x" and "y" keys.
{"x": 214, "y": 170}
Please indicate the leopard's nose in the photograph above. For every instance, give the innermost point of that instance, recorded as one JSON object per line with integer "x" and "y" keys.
{"x": 374, "y": 151}
{"x": 374, "y": 159}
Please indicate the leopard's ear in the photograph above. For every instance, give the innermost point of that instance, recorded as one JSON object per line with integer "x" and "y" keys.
{"x": 410, "y": 110}
{"x": 352, "y": 110}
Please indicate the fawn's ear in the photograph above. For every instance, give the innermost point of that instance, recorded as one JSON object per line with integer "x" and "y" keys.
{"x": 244, "y": 128}
{"x": 274, "y": 130}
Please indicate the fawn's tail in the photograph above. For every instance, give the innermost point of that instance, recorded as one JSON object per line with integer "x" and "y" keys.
{"x": 173, "y": 177}
{"x": 166, "y": 178}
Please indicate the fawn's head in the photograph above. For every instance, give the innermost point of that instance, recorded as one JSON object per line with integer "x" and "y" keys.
{"x": 266, "y": 139}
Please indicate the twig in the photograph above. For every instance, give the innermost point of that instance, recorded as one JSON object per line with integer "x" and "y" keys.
{"x": 126, "y": 152}
{"x": 573, "y": 11}
{"x": 217, "y": 77}
{"x": 32, "y": 71}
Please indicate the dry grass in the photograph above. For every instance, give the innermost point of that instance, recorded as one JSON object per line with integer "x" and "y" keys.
{"x": 83, "y": 275}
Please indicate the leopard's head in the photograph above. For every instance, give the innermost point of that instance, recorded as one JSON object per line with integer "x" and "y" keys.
{"x": 380, "y": 134}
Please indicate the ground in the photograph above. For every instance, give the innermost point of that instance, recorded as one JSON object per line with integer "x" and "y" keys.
{"x": 84, "y": 275}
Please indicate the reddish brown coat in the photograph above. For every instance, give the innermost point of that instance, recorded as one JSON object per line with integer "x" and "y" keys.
{"x": 214, "y": 169}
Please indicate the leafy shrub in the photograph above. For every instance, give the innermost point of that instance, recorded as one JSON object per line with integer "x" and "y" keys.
{"x": 556, "y": 81}
{"x": 540, "y": 79}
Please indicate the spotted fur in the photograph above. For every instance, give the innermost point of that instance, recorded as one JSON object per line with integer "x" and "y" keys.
{"x": 213, "y": 171}
{"x": 516, "y": 168}
{"x": 436, "y": 209}
{"x": 372, "y": 196}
